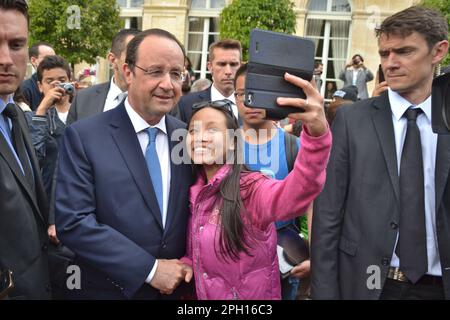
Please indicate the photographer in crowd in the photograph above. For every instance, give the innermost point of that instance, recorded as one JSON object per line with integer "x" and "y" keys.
{"x": 48, "y": 122}
{"x": 357, "y": 74}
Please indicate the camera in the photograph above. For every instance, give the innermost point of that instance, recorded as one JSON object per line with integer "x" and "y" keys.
{"x": 68, "y": 88}
{"x": 440, "y": 104}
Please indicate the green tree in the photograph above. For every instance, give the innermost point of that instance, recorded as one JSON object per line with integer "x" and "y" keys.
{"x": 241, "y": 16}
{"x": 443, "y": 6}
{"x": 79, "y": 30}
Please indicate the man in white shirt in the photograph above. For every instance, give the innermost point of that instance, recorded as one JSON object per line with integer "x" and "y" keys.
{"x": 357, "y": 74}
{"x": 108, "y": 95}
{"x": 121, "y": 201}
{"x": 224, "y": 60}
{"x": 381, "y": 226}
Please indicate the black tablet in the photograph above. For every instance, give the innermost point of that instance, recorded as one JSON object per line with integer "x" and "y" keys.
{"x": 271, "y": 54}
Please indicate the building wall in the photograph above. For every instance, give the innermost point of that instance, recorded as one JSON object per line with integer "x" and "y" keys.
{"x": 172, "y": 16}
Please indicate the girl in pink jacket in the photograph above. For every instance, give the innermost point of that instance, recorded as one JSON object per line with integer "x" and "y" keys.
{"x": 232, "y": 240}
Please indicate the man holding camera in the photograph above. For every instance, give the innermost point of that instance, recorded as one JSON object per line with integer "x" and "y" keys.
{"x": 381, "y": 225}
{"x": 356, "y": 74}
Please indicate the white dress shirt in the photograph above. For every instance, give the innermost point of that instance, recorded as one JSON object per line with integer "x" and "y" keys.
{"x": 162, "y": 148}
{"x": 429, "y": 145}
{"x": 113, "y": 98}
{"x": 216, "y": 95}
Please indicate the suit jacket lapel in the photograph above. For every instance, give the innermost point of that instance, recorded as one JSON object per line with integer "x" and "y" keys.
{"x": 442, "y": 167}
{"x": 125, "y": 137}
{"x": 8, "y": 155}
{"x": 382, "y": 119}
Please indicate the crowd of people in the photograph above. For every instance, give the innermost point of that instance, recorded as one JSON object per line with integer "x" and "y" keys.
{"x": 160, "y": 186}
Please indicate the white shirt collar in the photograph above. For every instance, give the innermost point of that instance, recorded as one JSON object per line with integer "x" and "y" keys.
{"x": 399, "y": 105}
{"x": 114, "y": 90}
{"x": 140, "y": 124}
{"x": 216, "y": 95}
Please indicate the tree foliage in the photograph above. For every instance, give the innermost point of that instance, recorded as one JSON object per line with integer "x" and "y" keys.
{"x": 79, "y": 30}
{"x": 443, "y": 6}
{"x": 241, "y": 16}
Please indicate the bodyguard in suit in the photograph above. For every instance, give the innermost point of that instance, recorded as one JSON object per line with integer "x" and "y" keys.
{"x": 381, "y": 227}
{"x": 121, "y": 201}
{"x": 224, "y": 60}
{"x": 23, "y": 204}
{"x": 104, "y": 96}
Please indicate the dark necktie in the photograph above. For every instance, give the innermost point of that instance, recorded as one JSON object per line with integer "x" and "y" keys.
{"x": 412, "y": 242}
{"x": 18, "y": 142}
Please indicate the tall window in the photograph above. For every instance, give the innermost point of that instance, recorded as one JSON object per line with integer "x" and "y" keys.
{"x": 130, "y": 3}
{"x": 203, "y": 29}
{"x": 328, "y": 25}
{"x": 131, "y": 12}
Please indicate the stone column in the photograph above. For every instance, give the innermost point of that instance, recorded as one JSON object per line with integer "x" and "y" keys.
{"x": 300, "y": 7}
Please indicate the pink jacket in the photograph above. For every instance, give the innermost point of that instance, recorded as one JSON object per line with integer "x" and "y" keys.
{"x": 266, "y": 201}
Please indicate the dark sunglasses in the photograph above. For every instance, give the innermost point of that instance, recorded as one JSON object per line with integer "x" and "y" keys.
{"x": 225, "y": 104}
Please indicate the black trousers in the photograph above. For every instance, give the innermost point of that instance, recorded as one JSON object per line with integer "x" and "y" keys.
{"x": 397, "y": 290}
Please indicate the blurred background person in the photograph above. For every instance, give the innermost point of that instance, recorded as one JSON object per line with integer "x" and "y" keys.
{"x": 318, "y": 70}
{"x": 200, "y": 85}
{"x": 357, "y": 74}
{"x": 346, "y": 95}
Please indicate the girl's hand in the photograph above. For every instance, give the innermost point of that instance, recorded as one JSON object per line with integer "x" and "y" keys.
{"x": 313, "y": 116}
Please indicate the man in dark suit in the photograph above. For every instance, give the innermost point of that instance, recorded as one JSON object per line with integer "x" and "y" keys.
{"x": 104, "y": 96}
{"x": 381, "y": 226}
{"x": 121, "y": 201}
{"x": 30, "y": 87}
{"x": 23, "y": 204}
{"x": 224, "y": 60}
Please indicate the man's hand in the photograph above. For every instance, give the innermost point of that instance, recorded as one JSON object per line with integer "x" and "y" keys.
{"x": 50, "y": 98}
{"x": 301, "y": 270}
{"x": 52, "y": 234}
{"x": 169, "y": 274}
{"x": 314, "y": 114}
{"x": 380, "y": 88}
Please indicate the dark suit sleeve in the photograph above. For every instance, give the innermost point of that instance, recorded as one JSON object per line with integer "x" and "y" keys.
{"x": 327, "y": 217}
{"x": 97, "y": 244}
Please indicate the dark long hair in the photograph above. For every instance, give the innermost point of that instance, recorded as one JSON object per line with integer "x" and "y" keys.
{"x": 233, "y": 237}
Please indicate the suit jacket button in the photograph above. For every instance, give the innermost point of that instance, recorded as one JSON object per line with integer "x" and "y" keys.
{"x": 385, "y": 261}
{"x": 44, "y": 247}
{"x": 164, "y": 245}
{"x": 394, "y": 225}
{"x": 48, "y": 287}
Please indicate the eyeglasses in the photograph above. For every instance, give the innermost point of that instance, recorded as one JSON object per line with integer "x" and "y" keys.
{"x": 175, "y": 76}
{"x": 222, "y": 104}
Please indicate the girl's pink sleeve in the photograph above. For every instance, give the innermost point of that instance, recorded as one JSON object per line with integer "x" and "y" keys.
{"x": 270, "y": 200}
